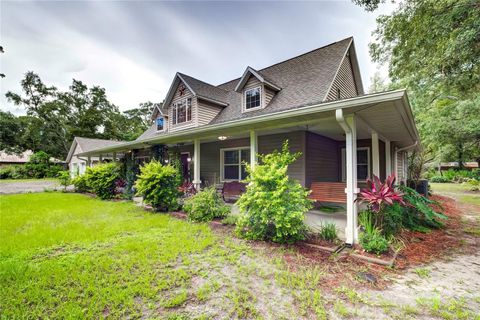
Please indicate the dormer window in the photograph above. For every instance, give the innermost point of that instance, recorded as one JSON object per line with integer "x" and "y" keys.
{"x": 182, "y": 111}
{"x": 160, "y": 122}
{"x": 253, "y": 98}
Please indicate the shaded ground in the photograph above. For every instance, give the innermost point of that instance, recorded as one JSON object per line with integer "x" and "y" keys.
{"x": 25, "y": 186}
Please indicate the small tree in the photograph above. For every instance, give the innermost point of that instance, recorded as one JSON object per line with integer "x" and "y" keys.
{"x": 64, "y": 177}
{"x": 158, "y": 184}
{"x": 274, "y": 206}
{"x": 101, "y": 179}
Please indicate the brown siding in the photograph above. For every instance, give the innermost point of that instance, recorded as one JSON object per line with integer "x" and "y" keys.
{"x": 177, "y": 97}
{"x": 322, "y": 159}
{"x": 210, "y": 154}
{"x": 344, "y": 81}
{"x": 206, "y": 111}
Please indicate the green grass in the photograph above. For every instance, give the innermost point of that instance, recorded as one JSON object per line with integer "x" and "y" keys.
{"x": 457, "y": 190}
{"x": 26, "y": 180}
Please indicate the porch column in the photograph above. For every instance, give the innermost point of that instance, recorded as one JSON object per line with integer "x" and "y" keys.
{"x": 196, "y": 164}
{"x": 114, "y": 157}
{"x": 348, "y": 124}
{"x": 375, "y": 155}
{"x": 388, "y": 159}
{"x": 100, "y": 158}
{"x": 89, "y": 161}
{"x": 253, "y": 148}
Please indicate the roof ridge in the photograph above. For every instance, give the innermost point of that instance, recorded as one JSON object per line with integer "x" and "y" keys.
{"x": 213, "y": 86}
{"x": 295, "y": 57}
{"x": 98, "y": 139}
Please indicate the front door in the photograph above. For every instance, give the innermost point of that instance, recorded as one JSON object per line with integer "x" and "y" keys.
{"x": 184, "y": 159}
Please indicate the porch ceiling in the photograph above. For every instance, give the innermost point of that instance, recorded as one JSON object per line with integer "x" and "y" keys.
{"x": 387, "y": 113}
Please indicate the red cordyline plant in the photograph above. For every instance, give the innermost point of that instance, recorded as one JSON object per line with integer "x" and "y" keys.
{"x": 378, "y": 194}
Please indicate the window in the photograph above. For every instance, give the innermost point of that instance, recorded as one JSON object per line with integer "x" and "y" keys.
{"x": 182, "y": 111}
{"x": 160, "y": 123}
{"x": 252, "y": 98}
{"x": 233, "y": 163}
{"x": 363, "y": 164}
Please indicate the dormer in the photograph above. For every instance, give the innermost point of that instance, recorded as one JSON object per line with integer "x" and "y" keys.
{"x": 159, "y": 118}
{"x": 257, "y": 91}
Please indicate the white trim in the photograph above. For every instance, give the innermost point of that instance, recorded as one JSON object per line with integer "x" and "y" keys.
{"x": 244, "y": 99}
{"x": 222, "y": 165}
{"x": 253, "y": 148}
{"x": 175, "y": 109}
{"x": 343, "y": 156}
{"x": 196, "y": 164}
{"x": 388, "y": 158}
{"x": 244, "y": 78}
{"x": 375, "y": 154}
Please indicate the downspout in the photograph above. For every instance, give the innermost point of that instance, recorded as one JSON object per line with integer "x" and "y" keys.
{"x": 400, "y": 150}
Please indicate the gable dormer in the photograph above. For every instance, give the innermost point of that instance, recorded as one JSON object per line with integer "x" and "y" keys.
{"x": 347, "y": 82}
{"x": 256, "y": 90}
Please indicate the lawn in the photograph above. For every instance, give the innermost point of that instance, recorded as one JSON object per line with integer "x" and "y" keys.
{"x": 26, "y": 180}
{"x": 65, "y": 255}
{"x": 71, "y": 256}
{"x": 458, "y": 191}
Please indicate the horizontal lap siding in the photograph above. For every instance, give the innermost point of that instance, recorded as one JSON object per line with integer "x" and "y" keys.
{"x": 206, "y": 112}
{"x": 322, "y": 159}
{"x": 296, "y": 142}
{"x": 269, "y": 94}
{"x": 344, "y": 81}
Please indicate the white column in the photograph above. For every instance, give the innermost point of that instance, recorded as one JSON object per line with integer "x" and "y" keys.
{"x": 351, "y": 231}
{"x": 388, "y": 159}
{"x": 196, "y": 164}
{"x": 253, "y": 148}
{"x": 375, "y": 155}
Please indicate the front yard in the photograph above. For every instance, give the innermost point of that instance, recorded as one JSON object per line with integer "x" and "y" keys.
{"x": 71, "y": 256}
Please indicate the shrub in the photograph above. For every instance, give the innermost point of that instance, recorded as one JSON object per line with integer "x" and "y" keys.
{"x": 439, "y": 179}
{"x": 273, "y": 206}
{"x": 392, "y": 220}
{"x": 13, "y": 172}
{"x": 81, "y": 184}
{"x": 378, "y": 195}
{"x": 374, "y": 242}
{"x": 230, "y": 220}
{"x": 101, "y": 179}
{"x": 64, "y": 177}
{"x": 418, "y": 213}
{"x": 38, "y": 165}
{"x": 158, "y": 184}
{"x": 205, "y": 206}
{"x": 328, "y": 231}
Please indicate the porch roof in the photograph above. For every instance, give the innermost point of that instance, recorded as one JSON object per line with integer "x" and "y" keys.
{"x": 388, "y": 113}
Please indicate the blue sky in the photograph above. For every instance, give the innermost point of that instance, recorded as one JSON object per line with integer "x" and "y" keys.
{"x": 133, "y": 49}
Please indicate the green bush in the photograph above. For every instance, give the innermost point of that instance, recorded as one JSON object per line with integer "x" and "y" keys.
{"x": 230, "y": 220}
{"x": 328, "y": 231}
{"x": 158, "y": 184}
{"x": 418, "y": 213}
{"x": 373, "y": 242}
{"x": 64, "y": 178}
{"x": 273, "y": 206}
{"x": 81, "y": 184}
{"x": 392, "y": 220}
{"x": 205, "y": 206}
{"x": 101, "y": 179}
{"x": 13, "y": 172}
{"x": 38, "y": 165}
{"x": 439, "y": 179}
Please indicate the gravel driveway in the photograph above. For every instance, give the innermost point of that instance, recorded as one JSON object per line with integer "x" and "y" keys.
{"x": 28, "y": 186}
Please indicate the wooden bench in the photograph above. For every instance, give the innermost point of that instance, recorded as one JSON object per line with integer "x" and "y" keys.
{"x": 233, "y": 190}
{"x": 328, "y": 192}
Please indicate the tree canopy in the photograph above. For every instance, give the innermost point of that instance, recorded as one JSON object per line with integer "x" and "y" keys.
{"x": 53, "y": 118}
{"x": 432, "y": 47}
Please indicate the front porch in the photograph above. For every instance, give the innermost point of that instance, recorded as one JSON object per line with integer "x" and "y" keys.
{"x": 344, "y": 141}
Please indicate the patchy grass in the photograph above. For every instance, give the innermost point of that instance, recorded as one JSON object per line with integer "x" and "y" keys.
{"x": 422, "y": 272}
{"x": 459, "y": 191}
{"x": 27, "y": 180}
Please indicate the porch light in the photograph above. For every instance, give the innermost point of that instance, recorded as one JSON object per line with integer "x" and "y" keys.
{"x": 166, "y": 160}
{"x": 189, "y": 159}
{"x": 222, "y": 138}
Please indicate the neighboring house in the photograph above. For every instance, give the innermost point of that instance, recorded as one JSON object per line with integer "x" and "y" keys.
{"x": 77, "y": 164}
{"x": 7, "y": 159}
{"x": 454, "y": 165}
{"x": 315, "y": 100}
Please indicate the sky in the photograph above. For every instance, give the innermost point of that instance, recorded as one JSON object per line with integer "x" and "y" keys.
{"x": 134, "y": 48}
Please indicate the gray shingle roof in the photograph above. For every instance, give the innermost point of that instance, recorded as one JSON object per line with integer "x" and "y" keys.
{"x": 87, "y": 144}
{"x": 205, "y": 90}
{"x": 303, "y": 80}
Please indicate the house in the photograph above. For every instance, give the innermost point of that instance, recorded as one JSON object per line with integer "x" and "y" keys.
{"x": 7, "y": 159}
{"x": 77, "y": 164}
{"x": 315, "y": 100}
{"x": 442, "y": 166}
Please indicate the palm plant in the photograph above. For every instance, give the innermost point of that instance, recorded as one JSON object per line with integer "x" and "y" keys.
{"x": 377, "y": 195}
